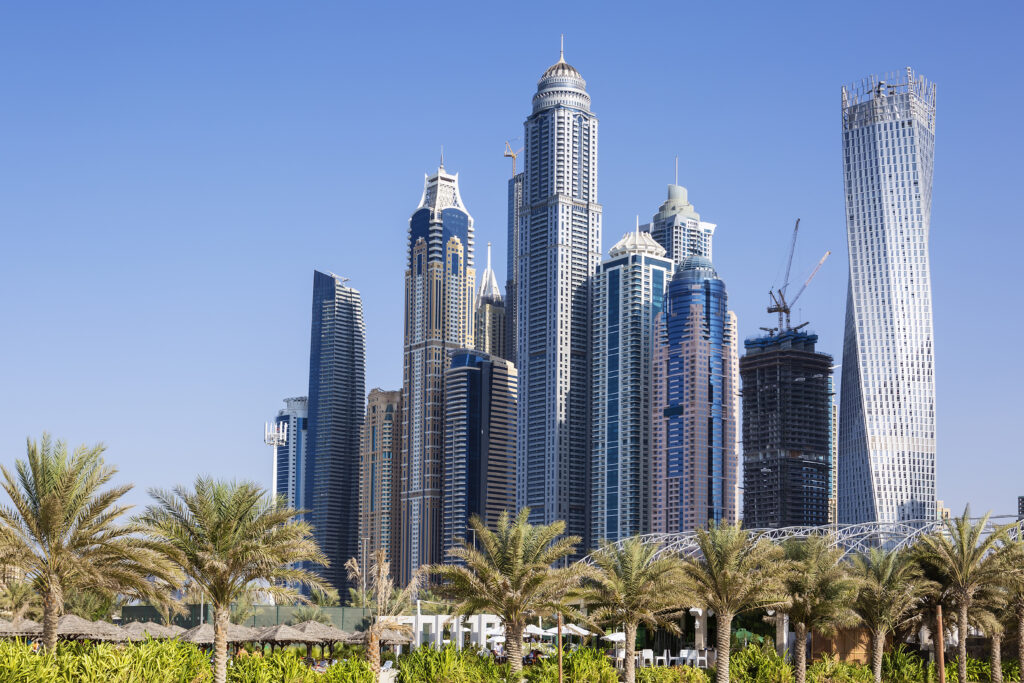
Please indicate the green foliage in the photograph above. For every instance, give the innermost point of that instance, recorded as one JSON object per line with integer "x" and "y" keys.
{"x": 352, "y": 670}
{"x": 978, "y": 671}
{"x": 448, "y": 665}
{"x": 759, "y": 665}
{"x": 148, "y": 662}
{"x": 585, "y": 665}
{"x": 829, "y": 669}
{"x": 671, "y": 674}
{"x": 1011, "y": 671}
{"x": 900, "y": 665}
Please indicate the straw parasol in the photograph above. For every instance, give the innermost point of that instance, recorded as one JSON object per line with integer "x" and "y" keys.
{"x": 203, "y": 634}
{"x": 284, "y": 634}
{"x": 22, "y": 629}
{"x": 140, "y": 630}
{"x": 388, "y": 636}
{"x": 74, "y": 627}
{"x": 323, "y": 633}
{"x": 173, "y": 630}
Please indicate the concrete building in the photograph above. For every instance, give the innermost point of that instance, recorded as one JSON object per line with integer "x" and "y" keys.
{"x": 337, "y": 389}
{"x": 380, "y": 474}
{"x": 627, "y": 293}
{"x": 480, "y": 442}
{"x": 887, "y": 404}
{"x": 440, "y": 283}
{"x": 559, "y": 250}
{"x": 787, "y": 431}
{"x": 491, "y": 315}
{"x": 678, "y": 228}
{"x": 515, "y": 203}
{"x": 696, "y": 404}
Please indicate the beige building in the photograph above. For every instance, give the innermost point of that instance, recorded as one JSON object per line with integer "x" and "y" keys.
{"x": 379, "y": 470}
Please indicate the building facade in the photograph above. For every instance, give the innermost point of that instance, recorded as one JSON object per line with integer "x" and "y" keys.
{"x": 559, "y": 250}
{"x": 491, "y": 315}
{"x": 290, "y": 457}
{"x": 440, "y": 284}
{"x": 787, "y": 431}
{"x": 887, "y": 402}
{"x": 379, "y": 476}
{"x": 337, "y": 389}
{"x": 480, "y": 442}
{"x": 696, "y": 405}
{"x": 627, "y": 293}
{"x": 515, "y": 203}
{"x": 678, "y": 228}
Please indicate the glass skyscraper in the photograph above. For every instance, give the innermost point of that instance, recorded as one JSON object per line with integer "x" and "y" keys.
{"x": 479, "y": 442}
{"x": 887, "y": 402}
{"x": 491, "y": 315}
{"x": 628, "y": 292}
{"x": 337, "y": 389}
{"x": 291, "y": 455}
{"x": 440, "y": 284}
{"x": 696, "y": 404}
{"x": 559, "y": 249}
{"x": 678, "y": 228}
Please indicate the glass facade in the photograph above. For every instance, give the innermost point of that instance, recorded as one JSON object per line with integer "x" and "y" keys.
{"x": 887, "y": 402}
{"x": 291, "y": 456}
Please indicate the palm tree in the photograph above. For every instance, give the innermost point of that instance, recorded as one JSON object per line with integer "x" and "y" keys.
{"x": 63, "y": 532}
{"x": 510, "y": 575}
{"x": 735, "y": 572}
{"x": 967, "y": 561}
{"x": 892, "y": 587}
{"x": 229, "y": 538}
{"x": 821, "y": 593}
{"x": 19, "y": 600}
{"x": 630, "y": 584}
{"x": 1014, "y": 584}
{"x": 386, "y": 605}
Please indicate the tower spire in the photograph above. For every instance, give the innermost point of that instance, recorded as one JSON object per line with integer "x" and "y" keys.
{"x": 442, "y": 156}
{"x": 561, "y": 50}
{"x": 488, "y": 256}
{"x": 677, "y": 169}
{"x": 638, "y": 225}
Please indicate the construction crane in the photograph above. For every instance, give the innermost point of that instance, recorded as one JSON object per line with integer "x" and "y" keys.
{"x": 779, "y": 304}
{"x": 512, "y": 155}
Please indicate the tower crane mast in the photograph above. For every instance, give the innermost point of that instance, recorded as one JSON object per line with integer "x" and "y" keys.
{"x": 779, "y": 305}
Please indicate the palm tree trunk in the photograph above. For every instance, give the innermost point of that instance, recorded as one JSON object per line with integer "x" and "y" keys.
{"x": 877, "y": 648}
{"x": 514, "y": 646}
{"x": 1020, "y": 638}
{"x": 997, "y": 658}
{"x": 51, "y": 612}
{"x": 724, "y": 633}
{"x": 373, "y": 650}
{"x": 961, "y": 641}
{"x": 800, "y": 651}
{"x": 630, "y": 663}
{"x": 220, "y": 642}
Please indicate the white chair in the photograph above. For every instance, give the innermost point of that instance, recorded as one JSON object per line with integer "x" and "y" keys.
{"x": 662, "y": 659}
{"x": 620, "y": 658}
{"x": 647, "y": 658}
{"x": 682, "y": 659}
{"x": 700, "y": 659}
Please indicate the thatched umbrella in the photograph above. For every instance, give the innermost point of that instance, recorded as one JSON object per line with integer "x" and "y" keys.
{"x": 140, "y": 630}
{"x": 25, "y": 628}
{"x": 203, "y": 634}
{"x": 74, "y": 627}
{"x": 388, "y": 636}
{"x": 283, "y": 634}
{"x": 173, "y": 630}
{"x": 323, "y": 633}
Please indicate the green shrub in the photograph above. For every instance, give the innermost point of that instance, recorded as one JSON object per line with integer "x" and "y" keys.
{"x": 585, "y": 665}
{"x": 901, "y": 665}
{"x": 1011, "y": 671}
{"x": 978, "y": 671}
{"x": 448, "y": 665}
{"x": 349, "y": 671}
{"x": 671, "y": 674}
{"x": 829, "y": 669}
{"x": 147, "y": 662}
{"x": 759, "y": 665}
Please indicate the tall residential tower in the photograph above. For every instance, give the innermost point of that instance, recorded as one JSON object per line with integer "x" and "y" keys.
{"x": 337, "y": 389}
{"x": 887, "y": 404}
{"x": 439, "y": 300}
{"x": 491, "y": 315}
{"x": 559, "y": 249}
{"x": 379, "y": 478}
{"x": 291, "y": 455}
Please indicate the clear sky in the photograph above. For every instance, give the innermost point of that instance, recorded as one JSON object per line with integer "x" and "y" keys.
{"x": 172, "y": 173}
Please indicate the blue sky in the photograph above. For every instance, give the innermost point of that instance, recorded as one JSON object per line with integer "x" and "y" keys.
{"x": 172, "y": 173}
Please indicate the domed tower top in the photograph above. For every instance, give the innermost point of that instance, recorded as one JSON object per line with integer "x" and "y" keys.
{"x": 561, "y": 85}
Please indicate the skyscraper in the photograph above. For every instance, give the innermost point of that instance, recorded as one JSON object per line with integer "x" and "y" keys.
{"x": 677, "y": 227}
{"x": 628, "y": 292}
{"x": 559, "y": 249}
{"x": 337, "y": 389}
{"x": 696, "y": 404}
{"x": 515, "y": 203}
{"x": 379, "y": 477}
{"x": 787, "y": 431}
{"x": 480, "y": 442}
{"x": 887, "y": 402}
{"x": 491, "y": 315}
{"x": 291, "y": 455}
{"x": 439, "y": 298}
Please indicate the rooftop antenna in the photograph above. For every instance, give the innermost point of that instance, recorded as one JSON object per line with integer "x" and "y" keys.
{"x": 488, "y": 256}
{"x": 561, "y": 50}
{"x": 638, "y": 225}
{"x": 442, "y": 156}
{"x": 677, "y": 169}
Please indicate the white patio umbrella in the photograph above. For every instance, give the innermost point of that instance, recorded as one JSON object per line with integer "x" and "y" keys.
{"x": 496, "y": 639}
{"x": 617, "y": 637}
{"x": 532, "y": 630}
{"x": 575, "y": 630}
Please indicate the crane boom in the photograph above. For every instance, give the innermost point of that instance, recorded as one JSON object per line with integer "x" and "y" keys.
{"x": 789, "y": 262}
{"x": 810, "y": 277}
{"x": 511, "y": 154}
